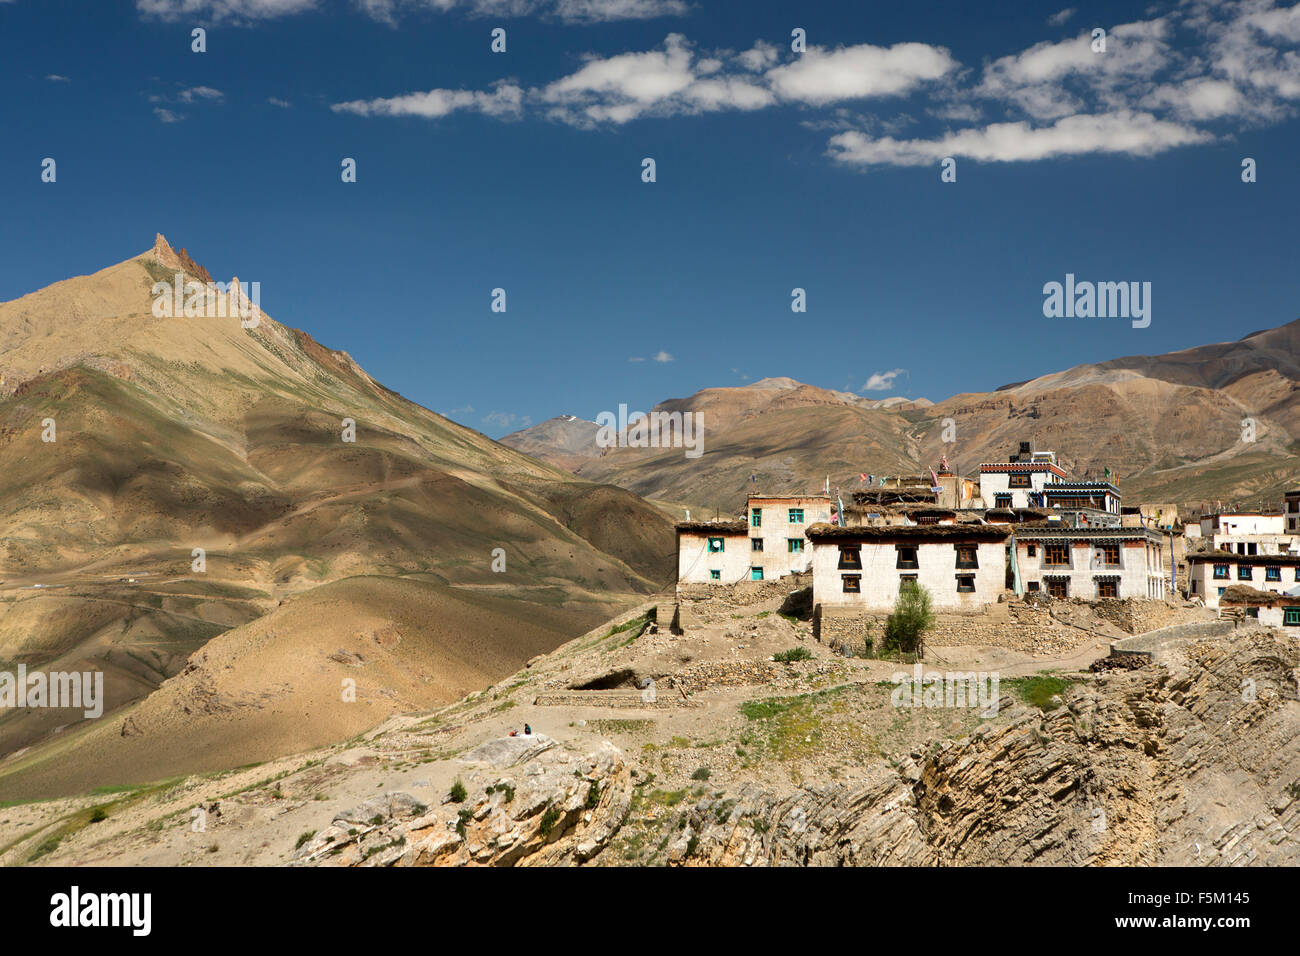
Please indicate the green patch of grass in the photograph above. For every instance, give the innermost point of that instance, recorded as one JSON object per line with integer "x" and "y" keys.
{"x": 303, "y": 838}
{"x": 792, "y": 655}
{"x": 667, "y": 798}
{"x": 622, "y": 726}
{"x": 1039, "y": 690}
{"x": 701, "y": 774}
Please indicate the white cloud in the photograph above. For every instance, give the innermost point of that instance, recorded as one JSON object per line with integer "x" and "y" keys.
{"x": 507, "y": 420}
{"x": 55, "y": 77}
{"x": 504, "y": 100}
{"x": 854, "y": 72}
{"x": 761, "y": 56}
{"x": 663, "y": 357}
{"x": 1141, "y": 96}
{"x": 636, "y": 358}
{"x": 200, "y": 93}
{"x": 166, "y": 115}
{"x": 219, "y": 10}
{"x": 1200, "y": 99}
{"x": 1131, "y": 133}
{"x": 1059, "y": 18}
{"x": 276, "y": 101}
{"x": 883, "y": 381}
{"x": 1049, "y": 80}
{"x": 569, "y": 11}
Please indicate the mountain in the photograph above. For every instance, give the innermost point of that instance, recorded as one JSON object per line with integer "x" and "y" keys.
{"x": 1173, "y": 427}
{"x": 171, "y": 482}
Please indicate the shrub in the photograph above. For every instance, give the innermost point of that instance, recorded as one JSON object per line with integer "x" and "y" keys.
{"x": 458, "y": 792}
{"x": 303, "y": 838}
{"x": 549, "y": 819}
{"x": 792, "y": 655}
{"x": 701, "y": 774}
{"x": 913, "y": 615}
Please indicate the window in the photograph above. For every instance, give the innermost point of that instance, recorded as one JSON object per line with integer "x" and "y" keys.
{"x": 756, "y": 518}
{"x": 1195, "y": 586}
{"x": 850, "y": 556}
{"x": 1018, "y": 481}
{"x": 1108, "y": 554}
{"x": 1033, "y": 550}
{"x": 1221, "y": 572}
{"x": 852, "y": 583}
{"x": 967, "y": 556}
{"x": 906, "y": 557}
{"x": 906, "y": 581}
{"x": 796, "y": 516}
{"x": 1058, "y": 587}
{"x": 715, "y": 575}
{"x": 755, "y": 574}
{"x": 1002, "y": 501}
{"x": 1108, "y": 589}
{"x": 1033, "y": 586}
{"x": 716, "y": 545}
{"x": 756, "y": 544}
{"x": 794, "y": 545}
{"x": 1291, "y": 616}
{"x": 1252, "y": 612}
{"x": 1221, "y": 590}
{"x": 1056, "y": 553}
{"x": 1244, "y": 572}
{"x": 1272, "y": 574}
{"x": 1251, "y": 548}
{"x": 965, "y": 583}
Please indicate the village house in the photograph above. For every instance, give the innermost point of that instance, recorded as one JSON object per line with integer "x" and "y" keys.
{"x": 1291, "y": 508}
{"x": 1248, "y": 533}
{"x": 963, "y": 566}
{"x": 1212, "y": 572}
{"x": 1019, "y": 482}
{"x": 712, "y": 552}
{"x": 770, "y": 542}
{"x": 1069, "y": 560}
{"x": 778, "y": 528}
{"x": 1269, "y": 607}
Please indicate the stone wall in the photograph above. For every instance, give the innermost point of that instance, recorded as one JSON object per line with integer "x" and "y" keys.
{"x": 1026, "y": 629}
{"x": 1136, "y": 616}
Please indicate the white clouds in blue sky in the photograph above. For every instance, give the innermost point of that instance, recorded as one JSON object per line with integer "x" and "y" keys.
{"x": 1200, "y": 70}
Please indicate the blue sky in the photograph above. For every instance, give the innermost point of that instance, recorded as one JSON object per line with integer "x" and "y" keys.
{"x": 776, "y": 169}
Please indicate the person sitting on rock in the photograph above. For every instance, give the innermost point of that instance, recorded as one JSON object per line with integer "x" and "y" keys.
{"x": 528, "y": 731}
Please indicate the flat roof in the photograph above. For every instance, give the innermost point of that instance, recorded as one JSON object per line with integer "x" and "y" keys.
{"x": 1231, "y": 557}
{"x": 900, "y": 532}
{"x": 713, "y": 527}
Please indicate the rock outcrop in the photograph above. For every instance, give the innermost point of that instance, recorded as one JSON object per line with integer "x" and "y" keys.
{"x": 1193, "y": 761}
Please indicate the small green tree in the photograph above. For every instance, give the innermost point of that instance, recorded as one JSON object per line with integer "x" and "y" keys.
{"x": 913, "y": 616}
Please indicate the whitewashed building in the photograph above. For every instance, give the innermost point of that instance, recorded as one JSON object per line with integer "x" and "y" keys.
{"x": 1019, "y": 481}
{"x": 1211, "y": 573}
{"x": 712, "y": 552}
{"x": 1270, "y": 608}
{"x": 777, "y": 527}
{"x": 1091, "y": 563}
{"x": 962, "y": 566}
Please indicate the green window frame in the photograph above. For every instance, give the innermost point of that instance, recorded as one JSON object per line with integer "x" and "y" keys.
{"x": 756, "y": 518}
{"x": 1221, "y": 572}
{"x": 796, "y": 516}
{"x": 1291, "y": 616}
{"x": 755, "y": 574}
{"x": 1245, "y": 572}
{"x": 715, "y": 575}
{"x": 794, "y": 545}
{"x": 1272, "y": 574}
